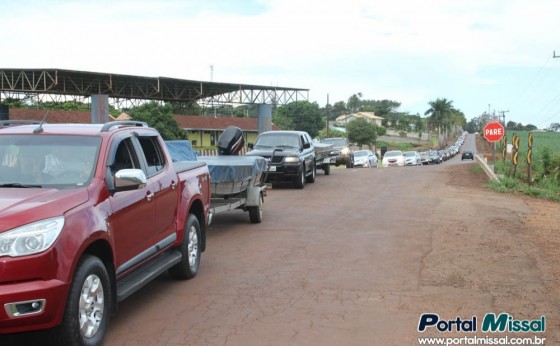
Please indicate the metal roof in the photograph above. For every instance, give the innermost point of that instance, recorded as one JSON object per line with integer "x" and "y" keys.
{"x": 119, "y": 86}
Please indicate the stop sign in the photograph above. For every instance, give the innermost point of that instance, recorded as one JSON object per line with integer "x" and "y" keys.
{"x": 493, "y": 132}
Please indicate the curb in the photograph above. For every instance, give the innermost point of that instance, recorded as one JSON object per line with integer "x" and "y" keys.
{"x": 489, "y": 172}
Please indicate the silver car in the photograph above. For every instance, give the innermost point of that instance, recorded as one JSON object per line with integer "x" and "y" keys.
{"x": 365, "y": 158}
{"x": 412, "y": 158}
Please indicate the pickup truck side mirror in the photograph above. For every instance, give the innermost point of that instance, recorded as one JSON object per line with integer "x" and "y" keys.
{"x": 306, "y": 145}
{"x": 250, "y": 146}
{"x": 130, "y": 179}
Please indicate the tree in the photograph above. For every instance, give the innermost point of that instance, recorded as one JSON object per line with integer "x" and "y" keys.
{"x": 159, "y": 117}
{"x": 554, "y": 127}
{"x": 338, "y": 108}
{"x": 362, "y": 132}
{"x": 186, "y": 108}
{"x": 530, "y": 127}
{"x": 302, "y": 115}
{"x": 439, "y": 117}
{"x": 354, "y": 102}
{"x": 511, "y": 125}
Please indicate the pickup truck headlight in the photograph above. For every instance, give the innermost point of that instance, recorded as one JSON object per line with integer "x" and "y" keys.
{"x": 32, "y": 238}
{"x": 291, "y": 159}
{"x": 345, "y": 151}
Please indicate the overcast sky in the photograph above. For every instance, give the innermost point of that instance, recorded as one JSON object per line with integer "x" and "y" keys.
{"x": 481, "y": 54}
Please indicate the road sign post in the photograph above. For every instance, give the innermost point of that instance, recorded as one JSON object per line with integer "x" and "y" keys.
{"x": 493, "y": 132}
{"x": 529, "y": 158}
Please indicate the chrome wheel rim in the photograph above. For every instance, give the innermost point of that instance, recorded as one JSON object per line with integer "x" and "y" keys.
{"x": 193, "y": 248}
{"x": 92, "y": 306}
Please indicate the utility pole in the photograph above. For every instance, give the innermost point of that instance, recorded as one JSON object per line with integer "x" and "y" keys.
{"x": 502, "y": 118}
{"x": 328, "y": 113}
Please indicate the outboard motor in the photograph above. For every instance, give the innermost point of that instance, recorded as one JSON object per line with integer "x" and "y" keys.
{"x": 231, "y": 141}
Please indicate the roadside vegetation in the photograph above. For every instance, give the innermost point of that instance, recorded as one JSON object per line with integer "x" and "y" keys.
{"x": 545, "y": 167}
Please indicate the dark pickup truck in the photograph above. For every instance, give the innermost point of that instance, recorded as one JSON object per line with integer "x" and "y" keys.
{"x": 293, "y": 156}
{"x": 89, "y": 215}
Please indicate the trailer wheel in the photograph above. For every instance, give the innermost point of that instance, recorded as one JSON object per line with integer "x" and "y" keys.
{"x": 86, "y": 316}
{"x": 191, "y": 251}
{"x": 327, "y": 168}
{"x": 256, "y": 212}
{"x": 299, "y": 181}
{"x": 311, "y": 179}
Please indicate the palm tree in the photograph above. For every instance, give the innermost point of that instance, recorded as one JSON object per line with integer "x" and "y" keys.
{"x": 440, "y": 117}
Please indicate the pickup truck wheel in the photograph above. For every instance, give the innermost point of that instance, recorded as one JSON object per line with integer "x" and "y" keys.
{"x": 86, "y": 316}
{"x": 256, "y": 212}
{"x": 299, "y": 181}
{"x": 327, "y": 168}
{"x": 190, "y": 249}
{"x": 311, "y": 178}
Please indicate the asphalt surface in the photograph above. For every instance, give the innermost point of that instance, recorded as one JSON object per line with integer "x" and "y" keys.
{"x": 353, "y": 259}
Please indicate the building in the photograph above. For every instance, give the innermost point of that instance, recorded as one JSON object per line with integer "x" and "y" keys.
{"x": 370, "y": 117}
{"x": 202, "y": 131}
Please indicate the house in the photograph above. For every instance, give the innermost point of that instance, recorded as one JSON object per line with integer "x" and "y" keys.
{"x": 370, "y": 117}
{"x": 55, "y": 115}
{"x": 204, "y": 131}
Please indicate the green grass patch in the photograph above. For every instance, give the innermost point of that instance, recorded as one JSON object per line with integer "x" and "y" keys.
{"x": 545, "y": 166}
{"x": 512, "y": 185}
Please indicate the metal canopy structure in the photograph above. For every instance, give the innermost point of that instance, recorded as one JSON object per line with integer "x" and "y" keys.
{"x": 18, "y": 83}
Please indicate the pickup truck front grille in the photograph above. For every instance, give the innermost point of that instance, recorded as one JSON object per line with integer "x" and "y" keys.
{"x": 277, "y": 159}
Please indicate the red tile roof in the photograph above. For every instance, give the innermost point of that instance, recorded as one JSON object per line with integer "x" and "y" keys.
{"x": 54, "y": 117}
{"x": 193, "y": 122}
{"x": 188, "y": 122}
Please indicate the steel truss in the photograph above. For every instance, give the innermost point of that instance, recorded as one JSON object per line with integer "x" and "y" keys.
{"x": 65, "y": 85}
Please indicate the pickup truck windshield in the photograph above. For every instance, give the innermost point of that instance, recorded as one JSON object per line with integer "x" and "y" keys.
{"x": 278, "y": 140}
{"x": 336, "y": 142}
{"x": 47, "y": 160}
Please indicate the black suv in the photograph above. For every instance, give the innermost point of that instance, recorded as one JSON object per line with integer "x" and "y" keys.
{"x": 342, "y": 154}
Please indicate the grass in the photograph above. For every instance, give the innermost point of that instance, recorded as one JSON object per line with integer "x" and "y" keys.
{"x": 403, "y": 146}
{"x": 545, "y": 167}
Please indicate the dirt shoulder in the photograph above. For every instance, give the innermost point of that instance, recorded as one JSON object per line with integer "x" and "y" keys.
{"x": 523, "y": 235}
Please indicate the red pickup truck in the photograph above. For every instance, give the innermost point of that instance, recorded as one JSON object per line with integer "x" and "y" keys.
{"x": 88, "y": 215}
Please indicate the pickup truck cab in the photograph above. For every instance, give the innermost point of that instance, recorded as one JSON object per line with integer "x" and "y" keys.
{"x": 291, "y": 155}
{"x": 342, "y": 153}
{"x": 89, "y": 214}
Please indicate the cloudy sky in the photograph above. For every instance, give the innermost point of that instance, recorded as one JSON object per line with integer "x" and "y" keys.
{"x": 484, "y": 55}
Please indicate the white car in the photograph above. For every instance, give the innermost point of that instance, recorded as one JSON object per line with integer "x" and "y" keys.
{"x": 365, "y": 158}
{"x": 412, "y": 158}
{"x": 393, "y": 158}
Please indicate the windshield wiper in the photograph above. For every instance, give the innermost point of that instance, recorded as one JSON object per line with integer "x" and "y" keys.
{"x": 262, "y": 146}
{"x": 20, "y": 185}
{"x": 285, "y": 146}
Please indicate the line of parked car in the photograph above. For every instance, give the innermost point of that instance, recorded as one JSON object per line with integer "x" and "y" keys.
{"x": 432, "y": 156}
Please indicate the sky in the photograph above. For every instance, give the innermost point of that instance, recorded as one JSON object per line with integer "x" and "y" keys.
{"x": 483, "y": 55}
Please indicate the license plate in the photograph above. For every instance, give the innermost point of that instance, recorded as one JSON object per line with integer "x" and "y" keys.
{"x": 272, "y": 169}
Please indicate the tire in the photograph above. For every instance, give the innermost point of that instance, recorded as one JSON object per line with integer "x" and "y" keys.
{"x": 256, "y": 213}
{"x": 190, "y": 248}
{"x": 311, "y": 179}
{"x": 327, "y": 168}
{"x": 299, "y": 181}
{"x": 86, "y": 316}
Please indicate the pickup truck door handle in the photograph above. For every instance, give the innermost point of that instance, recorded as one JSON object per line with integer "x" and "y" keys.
{"x": 150, "y": 196}
{"x": 173, "y": 185}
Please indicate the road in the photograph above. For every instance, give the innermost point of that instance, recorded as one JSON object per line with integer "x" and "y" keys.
{"x": 355, "y": 259}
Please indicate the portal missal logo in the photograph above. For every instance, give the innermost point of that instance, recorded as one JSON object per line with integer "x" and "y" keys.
{"x": 491, "y": 322}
